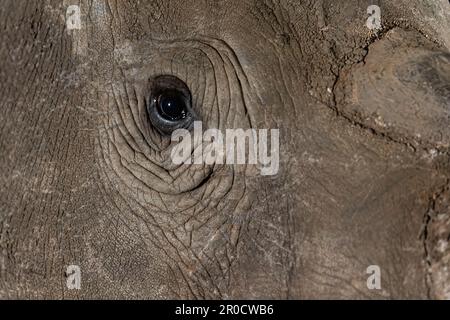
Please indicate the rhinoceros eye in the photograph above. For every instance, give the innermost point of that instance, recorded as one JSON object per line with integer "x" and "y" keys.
{"x": 169, "y": 104}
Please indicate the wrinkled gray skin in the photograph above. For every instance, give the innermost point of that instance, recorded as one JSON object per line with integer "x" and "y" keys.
{"x": 364, "y": 164}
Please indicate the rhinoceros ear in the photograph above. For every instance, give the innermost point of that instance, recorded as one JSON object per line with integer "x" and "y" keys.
{"x": 401, "y": 90}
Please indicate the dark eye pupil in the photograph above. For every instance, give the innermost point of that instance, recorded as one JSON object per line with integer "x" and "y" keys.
{"x": 172, "y": 106}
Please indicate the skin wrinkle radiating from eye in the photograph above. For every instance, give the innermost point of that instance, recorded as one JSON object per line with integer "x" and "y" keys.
{"x": 133, "y": 146}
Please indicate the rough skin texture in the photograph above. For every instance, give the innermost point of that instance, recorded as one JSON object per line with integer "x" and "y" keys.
{"x": 364, "y": 162}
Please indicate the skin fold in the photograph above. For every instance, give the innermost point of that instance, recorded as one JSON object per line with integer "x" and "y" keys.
{"x": 86, "y": 179}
